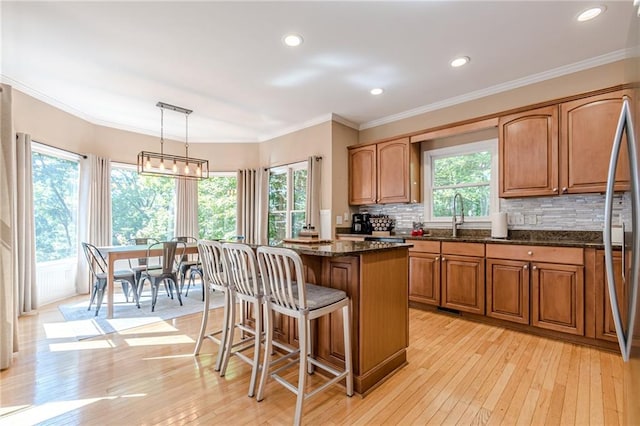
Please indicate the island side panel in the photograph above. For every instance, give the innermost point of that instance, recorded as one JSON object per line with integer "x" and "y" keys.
{"x": 384, "y": 314}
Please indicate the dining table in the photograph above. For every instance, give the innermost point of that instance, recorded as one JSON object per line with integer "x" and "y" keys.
{"x": 114, "y": 253}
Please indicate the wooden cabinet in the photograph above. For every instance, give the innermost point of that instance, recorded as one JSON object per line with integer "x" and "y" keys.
{"x": 387, "y": 172}
{"x": 561, "y": 149}
{"x": 507, "y": 285}
{"x": 424, "y": 272}
{"x": 538, "y": 285}
{"x": 463, "y": 277}
{"x": 528, "y": 153}
{"x": 605, "y": 327}
{"x": 362, "y": 175}
{"x": 586, "y": 138}
{"x": 558, "y": 297}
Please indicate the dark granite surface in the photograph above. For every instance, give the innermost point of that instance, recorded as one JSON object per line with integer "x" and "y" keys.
{"x": 585, "y": 239}
{"x": 343, "y": 248}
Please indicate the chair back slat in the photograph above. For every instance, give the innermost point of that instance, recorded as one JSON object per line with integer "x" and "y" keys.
{"x": 172, "y": 252}
{"x": 281, "y": 270}
{"x": 97, "y": 262}
{"x": 241, "y": 268}
{"x": 211, "y": 254}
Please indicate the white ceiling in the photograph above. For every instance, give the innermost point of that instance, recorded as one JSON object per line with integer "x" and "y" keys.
{"x": 110, "y": 63}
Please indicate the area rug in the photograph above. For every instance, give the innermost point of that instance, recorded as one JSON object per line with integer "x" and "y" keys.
{"x": 82, "y": 323}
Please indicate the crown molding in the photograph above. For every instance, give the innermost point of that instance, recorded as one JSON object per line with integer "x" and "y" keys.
{"x": 503, "y": 87}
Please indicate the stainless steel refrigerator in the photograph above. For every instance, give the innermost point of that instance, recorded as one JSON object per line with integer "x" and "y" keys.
{"x": 625, "y": 306}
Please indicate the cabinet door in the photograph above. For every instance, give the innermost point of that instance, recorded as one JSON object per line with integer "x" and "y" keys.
{"x": 558, "y": 297}
{"x": 508, "y": 290}
{"x": 393, "y": 172}
{"x": 586, "y": 137}
{"x": 463, "y": 283}
{"x": 362, "y": 175}
{"x": 528, "y": 144}
{"x": 341, "y": 273}
{"x": 424, "y": 278}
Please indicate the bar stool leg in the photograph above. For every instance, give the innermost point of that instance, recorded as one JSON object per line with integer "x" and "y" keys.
{"x": 256, "y": 349}
{"x": 303, "y": 326}
{"x": 203, "y": 326}
{"x": 268, "y": 329}
{"x": 346, "y": 324}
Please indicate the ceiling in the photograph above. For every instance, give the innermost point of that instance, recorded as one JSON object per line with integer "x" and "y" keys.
{"x": 109, "y": 63}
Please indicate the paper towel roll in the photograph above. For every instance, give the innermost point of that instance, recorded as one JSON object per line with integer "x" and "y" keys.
{"x": 499, "y": 225}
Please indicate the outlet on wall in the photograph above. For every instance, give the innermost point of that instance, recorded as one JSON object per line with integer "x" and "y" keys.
{"x": 338, "y": 220}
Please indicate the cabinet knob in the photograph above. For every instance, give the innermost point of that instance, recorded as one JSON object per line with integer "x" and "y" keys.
{"x": 555, "y": 189}
{"x": 530, "y": 253}
{"x": 525, "y": 266}
{"x": 534, "y": 267}
{"x": 564, "y": 189}
{"x": 437, "y": 258}
{"x": 443, "y": 259}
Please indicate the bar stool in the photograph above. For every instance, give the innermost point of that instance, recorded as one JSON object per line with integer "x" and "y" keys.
{"x": 244, "y": 285}
{"x": 287, "y": 293}
{"x": 214, "y": 277}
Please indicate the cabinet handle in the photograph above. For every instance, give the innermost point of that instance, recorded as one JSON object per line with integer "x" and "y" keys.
{"x": 530, "y": 253}
{"x": 564, "y": 189}
{"x": 534, "y": 267}
{"x": 525, "y": 267}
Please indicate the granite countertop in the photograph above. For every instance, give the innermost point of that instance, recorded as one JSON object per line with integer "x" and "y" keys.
{"x": 584, "y": 239}
{"x": 343, "y": 248}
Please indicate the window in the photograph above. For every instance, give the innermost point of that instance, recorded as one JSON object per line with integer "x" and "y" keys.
{"x": 56, "y": 176}
{"x": 217, "y": 206}
{"x": 470, "y": 170}
{"x": 141, "y": 206}
{"x": 287, "y": 201}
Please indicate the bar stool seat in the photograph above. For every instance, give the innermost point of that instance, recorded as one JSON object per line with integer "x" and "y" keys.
{"x": 287, "y": 293}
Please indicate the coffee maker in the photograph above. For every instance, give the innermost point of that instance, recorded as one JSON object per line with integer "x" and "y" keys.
{"x": 360, "y": 223}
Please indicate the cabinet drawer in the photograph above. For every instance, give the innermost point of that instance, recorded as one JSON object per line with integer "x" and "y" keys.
{"x": 463, "y": 249}
{"x": 567, "y": 255}
{"x": 424, "y": 246}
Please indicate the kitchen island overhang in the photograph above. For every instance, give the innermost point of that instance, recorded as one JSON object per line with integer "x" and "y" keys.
{"x": 375, "y": 276}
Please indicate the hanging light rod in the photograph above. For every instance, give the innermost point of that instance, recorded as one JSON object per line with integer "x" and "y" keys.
{"x": 174, "y": 108}
{"x": 161, "y": 164}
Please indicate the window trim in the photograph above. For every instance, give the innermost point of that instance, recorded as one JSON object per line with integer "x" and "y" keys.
{"x": 490, "y": 145}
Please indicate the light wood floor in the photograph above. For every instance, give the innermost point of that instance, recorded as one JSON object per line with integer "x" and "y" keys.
{"x": 459, "y": 372}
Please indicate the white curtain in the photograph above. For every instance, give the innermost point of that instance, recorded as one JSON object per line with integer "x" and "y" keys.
{"x": 252, "y": 199}
{"x": 25, "y": 248}
{"x": 8, "y": 293}
{"x": 186, "y": 209}
{"x": 314, "y": 166}
{"x": 94, "y": 211}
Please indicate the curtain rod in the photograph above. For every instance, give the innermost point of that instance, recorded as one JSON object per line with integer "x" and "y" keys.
{"x": 61, "y": 149}
{"x": 315, "y": 157}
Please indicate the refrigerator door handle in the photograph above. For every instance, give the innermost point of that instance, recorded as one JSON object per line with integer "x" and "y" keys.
{"x": 623, "y": 123}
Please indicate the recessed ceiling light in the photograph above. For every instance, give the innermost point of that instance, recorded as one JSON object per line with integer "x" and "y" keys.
{"x": 376, "y": 91}
{"x": 590, "y": 13}
{"x": 292, "y": 40}
{"x": 458, "y": 62}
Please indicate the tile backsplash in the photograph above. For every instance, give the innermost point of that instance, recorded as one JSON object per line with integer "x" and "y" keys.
{"x": 576, "y": 212}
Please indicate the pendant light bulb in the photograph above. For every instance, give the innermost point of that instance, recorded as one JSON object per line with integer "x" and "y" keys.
{"x": 162, "y": 164}
{"x": 186, "y": 169}
{"x": 148, "y": 164}
{"x": 198, "y": 171}
{"x": 175, "y": 167}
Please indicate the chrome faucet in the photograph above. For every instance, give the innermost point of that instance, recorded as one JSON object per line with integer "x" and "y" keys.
{"x": 454, "y": 220}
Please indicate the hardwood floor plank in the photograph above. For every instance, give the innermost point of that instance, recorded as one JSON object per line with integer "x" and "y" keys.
{"x": 459, "y": 372}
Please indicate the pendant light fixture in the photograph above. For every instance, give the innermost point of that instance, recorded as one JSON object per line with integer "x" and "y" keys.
{"x": 161, "y": 164}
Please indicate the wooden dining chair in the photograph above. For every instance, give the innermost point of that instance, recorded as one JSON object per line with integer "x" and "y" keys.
{"x": 98, "y": 267}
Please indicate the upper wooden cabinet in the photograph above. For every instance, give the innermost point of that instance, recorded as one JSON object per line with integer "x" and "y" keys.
{"x": 387, "y": 172}
{"x": 528, "y": 144}
{"x": 587, "y": 128}
{"x": 561, "y": 149}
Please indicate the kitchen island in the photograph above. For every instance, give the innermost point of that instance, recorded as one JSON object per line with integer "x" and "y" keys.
{"x": 375, "y": 276}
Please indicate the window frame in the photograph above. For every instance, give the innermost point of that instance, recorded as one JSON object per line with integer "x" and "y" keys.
{"x": 429, "y": 155}
{"x": 289, "y": 169}
{"x": 65, "y": 155}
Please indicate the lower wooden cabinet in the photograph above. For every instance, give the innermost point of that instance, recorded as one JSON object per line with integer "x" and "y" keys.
{"x": 557, "y": 293}
{"x": 463, "y": 283}
{"x": 424, "y": 278}
{"x": 507, "y": 283}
